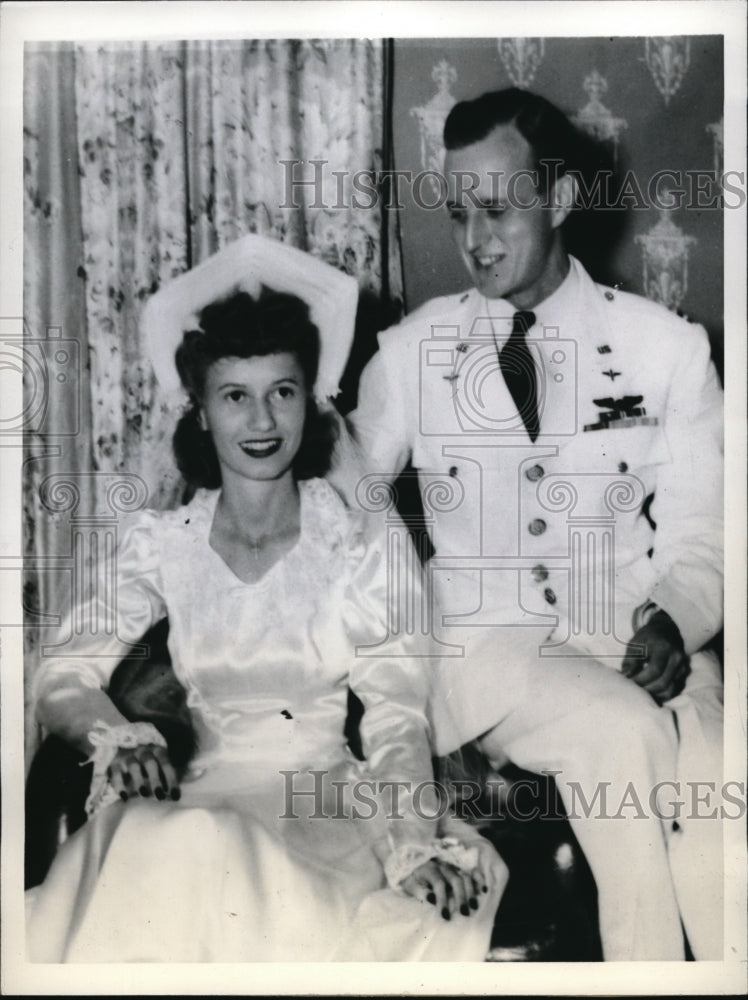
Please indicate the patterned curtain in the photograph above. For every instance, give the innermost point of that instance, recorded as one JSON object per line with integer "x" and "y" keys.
{"x": 141, "y": 160}
{"x": 56, "y": 415}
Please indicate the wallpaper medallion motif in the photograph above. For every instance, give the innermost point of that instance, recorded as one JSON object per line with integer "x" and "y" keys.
{"x": 668, "y": 59}
{"x": 665, "y": 252}
{"x": 431, "y": 117}
{"x": 594, "y": 118}
{"x": 521, "y": 58}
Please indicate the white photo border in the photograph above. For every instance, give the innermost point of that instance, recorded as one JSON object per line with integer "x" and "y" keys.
{"x": 56, "y": 21}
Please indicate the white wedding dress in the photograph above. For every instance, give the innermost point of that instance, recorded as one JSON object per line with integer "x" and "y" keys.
{"x": 254, "y": 864}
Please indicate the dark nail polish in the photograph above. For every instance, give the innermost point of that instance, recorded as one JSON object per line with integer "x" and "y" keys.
{"x": 160, "y": 793}
{"x": 485, "y": 888}
{"x": 431, "y": 898}
{"x": 127, "y": 778}
{"x": 445, "y": 913}
{"x": 464, "y": 910}
{"x": 145, "y": 791}
{"x": 124, "y": 796}
{"x": 175, "y": 794}
{"x": 473, "y": 903}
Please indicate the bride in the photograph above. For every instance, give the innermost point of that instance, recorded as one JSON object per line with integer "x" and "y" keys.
{"x": 277, "y": 844}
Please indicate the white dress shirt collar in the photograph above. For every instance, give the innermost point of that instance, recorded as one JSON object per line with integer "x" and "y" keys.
{"x": 553, "y": 311}
{"x": 560, "y": 305}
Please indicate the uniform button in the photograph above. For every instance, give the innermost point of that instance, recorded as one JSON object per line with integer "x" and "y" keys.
{"x": 609, "y": 296}
{"x": 535, "y": 472}
{"x": 539, "y": 573}
{"x": 453, "y": 471}
{"x": 549, "y": 595}
{"x": 538, "y": 526}
{"x": 623, "y": 467}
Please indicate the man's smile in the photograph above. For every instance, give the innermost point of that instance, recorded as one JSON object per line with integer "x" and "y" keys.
{"x": 486, "y": 261}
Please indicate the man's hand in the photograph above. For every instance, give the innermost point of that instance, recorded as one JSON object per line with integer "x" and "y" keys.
{"x": 144, "y": 770}
{"x": 664, "y": 667}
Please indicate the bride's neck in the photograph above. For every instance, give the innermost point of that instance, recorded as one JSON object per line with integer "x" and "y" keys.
{"x": 257, "y": 507}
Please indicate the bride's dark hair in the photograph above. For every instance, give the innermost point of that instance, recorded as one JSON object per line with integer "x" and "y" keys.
{"x": 242, "y": 327}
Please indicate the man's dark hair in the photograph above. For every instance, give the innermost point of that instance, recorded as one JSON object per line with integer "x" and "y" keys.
{"x": 549, "y": 132}
{"x": 242, "y": 327}
{"x": 558, "y": 148}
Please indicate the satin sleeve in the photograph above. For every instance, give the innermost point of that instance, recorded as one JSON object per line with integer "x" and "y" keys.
{"x": 99, "y": 630}
{"x": 390, "y": 673}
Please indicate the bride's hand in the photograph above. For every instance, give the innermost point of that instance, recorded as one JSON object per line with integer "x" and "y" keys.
{"x": 447, "y": 888}
{"x": 143, "y": 770}
{"x": 453, "y": 891}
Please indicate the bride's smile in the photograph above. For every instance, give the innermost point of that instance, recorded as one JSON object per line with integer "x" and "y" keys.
{"x": 255, "y": 410}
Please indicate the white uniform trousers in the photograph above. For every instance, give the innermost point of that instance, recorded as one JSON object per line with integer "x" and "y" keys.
{"x": 606, "y": 737}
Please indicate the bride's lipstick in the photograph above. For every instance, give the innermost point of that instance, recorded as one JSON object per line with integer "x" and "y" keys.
{"x": 260, "y": 448}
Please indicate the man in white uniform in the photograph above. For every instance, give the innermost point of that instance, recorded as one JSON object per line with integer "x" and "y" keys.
{"x": 567, "y": 439}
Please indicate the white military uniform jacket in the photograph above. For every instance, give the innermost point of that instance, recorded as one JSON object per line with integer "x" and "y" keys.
{"x": 553, "y": 533}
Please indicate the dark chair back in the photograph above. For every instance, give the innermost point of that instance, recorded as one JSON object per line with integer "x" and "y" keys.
{"x": 144, "y": 689}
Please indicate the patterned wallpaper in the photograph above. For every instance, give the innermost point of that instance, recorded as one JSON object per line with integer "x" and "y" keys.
{"x": 653, "y": 104}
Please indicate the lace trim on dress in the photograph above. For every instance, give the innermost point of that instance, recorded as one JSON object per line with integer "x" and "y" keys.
{"x": 329, "y": 550}
{"x": 405, "y": 859}
{"x": 107, "y": 740}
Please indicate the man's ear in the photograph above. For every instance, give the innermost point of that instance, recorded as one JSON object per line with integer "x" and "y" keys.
{"x": 563, "y": 198}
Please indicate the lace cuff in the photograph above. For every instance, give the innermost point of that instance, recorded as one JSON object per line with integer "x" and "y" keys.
{"x": 403, "y": 862}
{"x": 107, "y": 740}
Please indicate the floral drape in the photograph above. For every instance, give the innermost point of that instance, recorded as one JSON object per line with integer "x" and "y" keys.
{"x": 182, "y": 149}
{"x": 141, "y": 160}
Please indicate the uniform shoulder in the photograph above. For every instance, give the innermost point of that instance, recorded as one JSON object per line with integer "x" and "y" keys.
{"x": 441, "y": 305}
{"x": 413, "y": 327}
{"x": 645, "y": 315}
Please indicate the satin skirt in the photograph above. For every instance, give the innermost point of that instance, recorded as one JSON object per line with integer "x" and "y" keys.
{"x": 238, "y": 874}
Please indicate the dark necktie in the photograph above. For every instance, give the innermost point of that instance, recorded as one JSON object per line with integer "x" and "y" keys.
{"x": 518, "y": 369}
